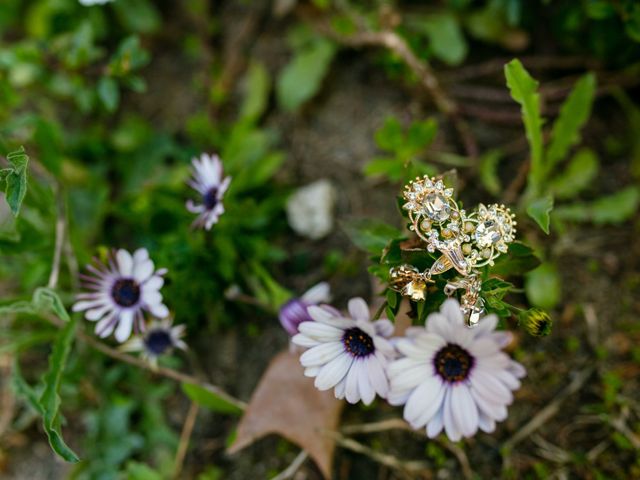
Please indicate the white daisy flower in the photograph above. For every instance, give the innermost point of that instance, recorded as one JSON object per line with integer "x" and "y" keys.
{"x": 121, "y": 292}
{"x": 207, "y": 180}
{"x": 348, "y": 353}
{"x": 159, "y": 338}
{"x": 454, "y": 377}
{"x": 294, "y": 312}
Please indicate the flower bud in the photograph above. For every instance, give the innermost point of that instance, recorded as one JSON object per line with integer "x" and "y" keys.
{"x": 536, "y": 322}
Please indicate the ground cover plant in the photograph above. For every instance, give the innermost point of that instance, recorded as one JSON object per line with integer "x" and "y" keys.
{"x": 319, "y": 239}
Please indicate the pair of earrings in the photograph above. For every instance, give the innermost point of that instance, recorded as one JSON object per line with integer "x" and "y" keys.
{"x": 466, "y": 242}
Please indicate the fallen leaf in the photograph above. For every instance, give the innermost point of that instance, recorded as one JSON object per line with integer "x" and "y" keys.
{"x": 287, "y": 403}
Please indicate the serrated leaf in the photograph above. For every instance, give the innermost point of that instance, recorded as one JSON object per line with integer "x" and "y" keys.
{"x": 574, "y": 113}
{"x": 301, "y": 79}
{"x": 539, "y": 209}
{"x": 543, "y": 286}
{"x": 257, "y": 88}
{"x": 15, "y": 179}
{"x": 208, "y": 399}
{"x": 390, "y": 136}
{"x": 421, "y": 134}
{"x": 524, "y": 90}
{"x": 47, "y": 299}
{"x": 371, "y": 235}
{"x": 50, "y": 399}
{"x": 578, "y": 175}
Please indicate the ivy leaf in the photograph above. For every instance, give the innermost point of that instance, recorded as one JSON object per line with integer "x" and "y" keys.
{"x": 50, "y": 399}
{"x": 208, "y": 399}
{"x": 574, "y": 113}
{"x": 524, "y": 90}
{"x": 300, "y": 80}
{"x": 578, "y": 175}
{"x": 15, "y": 179}
{"x": 539, "y": 209}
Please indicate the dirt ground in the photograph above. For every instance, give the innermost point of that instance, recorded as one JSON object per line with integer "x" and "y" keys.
{"x": 596, "y": 327}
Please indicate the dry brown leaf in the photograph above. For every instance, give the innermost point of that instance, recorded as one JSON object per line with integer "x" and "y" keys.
{"x": 286, "y": 403}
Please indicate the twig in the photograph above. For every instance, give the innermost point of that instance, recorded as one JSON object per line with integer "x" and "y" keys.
{"x": 185, "y": 436}
{"x": 291, "y": 470}
{"x": 162, "y": 371}
{"x": 496, "y": 65}
{"x": 399, "y": 424}
{"x": 422, "y": 69}
{"x": 382, "y": 458}
{"x": 548, "y": 412}
{"x": 511, "y": 192}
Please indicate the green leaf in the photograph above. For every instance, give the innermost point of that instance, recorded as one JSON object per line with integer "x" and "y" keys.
{"x": 140, "y": 471}
{"x": 50, "y": 399}
{"x": 24, "y": 390}
{"x": 543, "y": 286}
{"x": 616, "y": 208}
{"x": 524, "y": 90}
{"x": 539, "y": 209}
{"x": 446, "y": 38}
{"x": 371, "y": 235}
{"x": 257, "y": 88}
{"x": 46, "y": 299}
{"x": 15, "y": 179}
{"x": 489, "y": 171}
{"x": 208, "y": 399}
{"x": 518, "y": 260}
{"x": 390, "y": 136}
{"x": 574, "y": 113}
{"x": 301, "y": 79}
{"x": 391, "y": 168}
{"x": 421, "y": 134}
{"x": 496, "y": 287}
{"x": 578, "y": 175}
{"x": 109, "y": 93}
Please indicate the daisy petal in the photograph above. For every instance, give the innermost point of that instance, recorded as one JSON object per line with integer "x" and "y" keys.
{"x": 358, "y": 309}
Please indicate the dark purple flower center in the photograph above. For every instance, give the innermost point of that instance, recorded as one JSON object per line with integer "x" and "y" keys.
{"x": 453, "y": 363}
{"x": 125, "y": 292}
{"x": 210, "y": 199}
{"x": 158, "y": 341}
{"x": 357, "y": 342}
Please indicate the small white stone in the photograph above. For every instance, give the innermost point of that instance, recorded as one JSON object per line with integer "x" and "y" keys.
{"x": 310, "y": 209}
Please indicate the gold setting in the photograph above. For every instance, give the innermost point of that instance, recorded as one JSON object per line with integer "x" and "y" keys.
{"x": 466, "y": 242}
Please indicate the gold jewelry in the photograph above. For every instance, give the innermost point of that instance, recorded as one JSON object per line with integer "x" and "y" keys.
{"x": 466, "y": 242}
